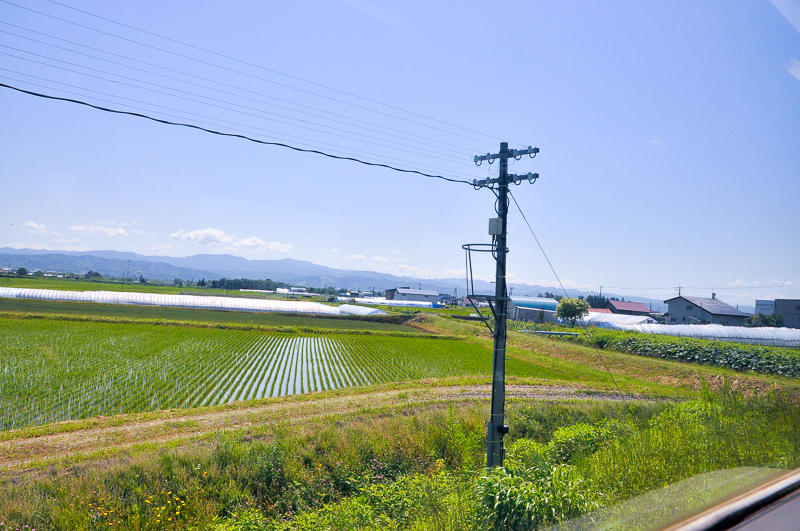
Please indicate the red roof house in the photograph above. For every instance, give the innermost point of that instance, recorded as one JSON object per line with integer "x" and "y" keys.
{"x": 627, "y": 308}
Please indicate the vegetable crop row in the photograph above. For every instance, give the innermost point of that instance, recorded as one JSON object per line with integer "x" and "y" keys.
{"x": 736, "y": 356}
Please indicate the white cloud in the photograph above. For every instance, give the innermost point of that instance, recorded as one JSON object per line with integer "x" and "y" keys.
{"x": 69, "y": 243}
{"x": 19, "y": 245}
{"x": 161, "y": 248}
{"x": 95, "y": 230}
{"x": 334, "y": 250}
{"x": 776, "y": 282}
{"x": 794, "y": 67}
{"x": 138, "y": 231}
{"x": 381, "y": 259}
{"x": 657, "y": 142}
{"x": 790, "y": 10}
{"x": 260, "y": 245}
{"x": 372, "y": 10}
{"x": 569, "y": 284}
{"x": 35, "y": 227}
{"x": 207, "y": 236}
{"x": 356, "y": 257}
{"x": 57, "y": 234}
{"x": 216, "y": 237}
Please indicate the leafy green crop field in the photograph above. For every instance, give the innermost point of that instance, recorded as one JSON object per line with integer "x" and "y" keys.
{"x": 736, "y": 356}
{"x": 53, "y": 370}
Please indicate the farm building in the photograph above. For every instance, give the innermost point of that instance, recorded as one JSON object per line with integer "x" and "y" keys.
{"x": 536, "y": 309}
{"x": 700, "y": 310}
{"x": 470, "y": 301}
{"x": 538, "y": 303}
{"x": 765, "y": 307}
{"x": 627, "y": 308}
{"x": 533, "y": 315}
{"x": 790, "y": 309}
{"x": 408, "y": 294}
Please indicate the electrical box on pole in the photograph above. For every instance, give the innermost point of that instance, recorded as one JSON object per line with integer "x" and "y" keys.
{"x": 498, "y": 229}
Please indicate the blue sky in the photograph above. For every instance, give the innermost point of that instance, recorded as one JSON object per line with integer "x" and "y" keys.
{"x": 669, "y": 135}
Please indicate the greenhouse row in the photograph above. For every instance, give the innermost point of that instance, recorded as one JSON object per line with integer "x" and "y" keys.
{"x": 610, "y": 320}
{"x": 778, "y": 337}
{"x": 380, "y": 301}
{"x": 187, "y": 301}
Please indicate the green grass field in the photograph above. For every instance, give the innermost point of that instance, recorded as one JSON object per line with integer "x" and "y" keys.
{"x": 228, "y": 421}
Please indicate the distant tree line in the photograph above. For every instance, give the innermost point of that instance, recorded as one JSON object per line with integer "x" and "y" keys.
{"x": 248, "y": 283}
{"x": 760, "y": 320}
{"x": 243, "y": 283}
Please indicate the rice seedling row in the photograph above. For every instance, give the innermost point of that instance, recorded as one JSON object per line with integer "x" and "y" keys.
{"x": 52, "y": 370}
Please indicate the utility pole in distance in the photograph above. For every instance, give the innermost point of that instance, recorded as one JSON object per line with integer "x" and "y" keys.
{"x": 498, "y": 230}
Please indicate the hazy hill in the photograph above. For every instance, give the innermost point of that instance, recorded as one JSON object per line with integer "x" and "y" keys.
{"x": 215, "y": 266}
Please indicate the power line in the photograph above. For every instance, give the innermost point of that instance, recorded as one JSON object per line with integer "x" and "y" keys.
{"x": 783, "y": 286}
{"x": 585, "y": 327}
{"x": 260, "y": 94}
{"x": 539, "y": 244}
{"x": 250, "y": 75}
{"x": 243, "y": 137}
{"x": 259, "y": 129}
{"x": 437, "y": 155}
{"x": 267, "y": 69}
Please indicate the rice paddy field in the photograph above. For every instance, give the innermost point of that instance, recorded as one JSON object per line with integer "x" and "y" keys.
{"x": 53, "y": 370}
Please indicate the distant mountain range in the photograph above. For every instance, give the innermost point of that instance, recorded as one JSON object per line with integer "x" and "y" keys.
{"x": 215, "y": 266}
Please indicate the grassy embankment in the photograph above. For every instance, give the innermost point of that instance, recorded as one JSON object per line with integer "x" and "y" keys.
{"x": 403, "y": 454}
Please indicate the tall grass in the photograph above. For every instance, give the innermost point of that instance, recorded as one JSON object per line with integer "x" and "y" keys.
{"x": 414, "y": 469}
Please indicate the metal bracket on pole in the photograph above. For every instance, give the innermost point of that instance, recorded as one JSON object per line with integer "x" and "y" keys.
{"x": 498, "y": 304}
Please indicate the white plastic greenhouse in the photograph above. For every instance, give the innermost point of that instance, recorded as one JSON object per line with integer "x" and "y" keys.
{"x": 350, "y": 309}
{"x": 778, "y": 337}
{"x": 182, "y": 301}
{"x": 610, "y": 320}
{"x": 380, "y": 301}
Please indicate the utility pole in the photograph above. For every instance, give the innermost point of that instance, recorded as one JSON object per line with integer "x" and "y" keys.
{"x": 498, "y": 230}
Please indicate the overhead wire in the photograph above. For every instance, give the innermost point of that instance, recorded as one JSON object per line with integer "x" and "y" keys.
{"x": 215, "y": 121}
{"x": 203, "y": 117}
{"x": 243, "y": 137}
{"x": 133, "y": 41}
{"x": 412, "y": 149}
{"x": 427, "y": 140}
{"x": 585, "y": 327}
{"x": 539, "y": 244}
{"x": 268, "y": 69}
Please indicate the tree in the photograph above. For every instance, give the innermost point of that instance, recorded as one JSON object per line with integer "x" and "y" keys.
{"x": 571, "y": 310}
{"x": 596, "y": 301}
{"x": 549, "y": 295}
{"x": 759, "y": 320}
{"x": 21, "y": 272}
{"x": 92, "y": 274}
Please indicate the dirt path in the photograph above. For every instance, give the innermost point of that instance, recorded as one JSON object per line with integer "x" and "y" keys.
{"x": 177, "y": 425}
